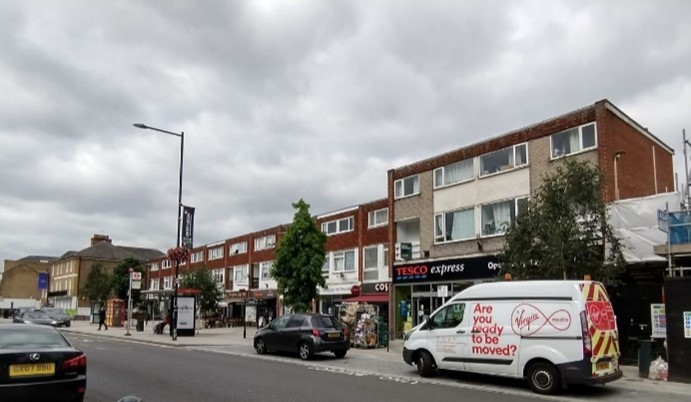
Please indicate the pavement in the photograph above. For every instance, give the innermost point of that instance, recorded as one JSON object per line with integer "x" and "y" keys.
{"x": 240, "y": 336}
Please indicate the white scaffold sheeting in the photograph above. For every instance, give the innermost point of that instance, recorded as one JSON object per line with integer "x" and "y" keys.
{"x": 635, "y": 223}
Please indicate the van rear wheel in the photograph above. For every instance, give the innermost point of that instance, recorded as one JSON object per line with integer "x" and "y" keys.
{"x": 425, "y": 364}
{"x": 544, "y": 378}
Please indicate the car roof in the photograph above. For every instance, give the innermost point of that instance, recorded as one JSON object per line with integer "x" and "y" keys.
{"x": 36, "y": 328}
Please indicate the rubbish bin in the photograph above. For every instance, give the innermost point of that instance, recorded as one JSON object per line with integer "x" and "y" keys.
{"x": 645, "y": 356}
{"x": 140, "y": 325}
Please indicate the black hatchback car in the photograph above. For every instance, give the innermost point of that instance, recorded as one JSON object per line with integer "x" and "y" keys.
{"x": 305, "y": 334}
{"x": 37, "y": 363}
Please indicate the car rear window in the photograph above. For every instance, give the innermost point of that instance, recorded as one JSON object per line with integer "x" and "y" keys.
{"x": 323, "y": 321}
{"x": 31, "y": 339}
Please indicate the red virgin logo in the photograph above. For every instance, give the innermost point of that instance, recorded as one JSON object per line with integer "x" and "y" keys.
{"x": 527, "y": 320}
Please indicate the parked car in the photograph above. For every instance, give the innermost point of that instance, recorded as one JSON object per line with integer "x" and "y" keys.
{"x": 305, "y": 334}
{"x": 58, "y": 315}
{"x": 34, "y": 317}
{"x": 37, "y": 363}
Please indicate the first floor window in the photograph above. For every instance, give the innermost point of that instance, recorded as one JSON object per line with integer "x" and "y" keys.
{"x": 497, "y": 217}
{"x": 266, "y": 270}
{"x": 454, "y": 225}
{"x": 344, "y": 261}
{"x": 167, "y": 281}
{"x": 370, "y": 269}
{"x": 240, "y": 275}
{"x": 218, "y": 275}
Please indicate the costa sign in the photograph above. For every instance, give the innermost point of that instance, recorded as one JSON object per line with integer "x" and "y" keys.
{"x": 451, "y": 269}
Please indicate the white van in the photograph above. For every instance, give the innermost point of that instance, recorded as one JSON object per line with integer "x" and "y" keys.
{"x": 553, "y": 333}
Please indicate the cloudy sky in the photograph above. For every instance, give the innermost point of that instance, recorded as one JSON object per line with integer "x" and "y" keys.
{"x": 281, "y": 100}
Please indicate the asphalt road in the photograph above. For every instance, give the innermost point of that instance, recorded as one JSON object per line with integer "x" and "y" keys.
{"x": 164, "y": 374}
{"x": 169, "y": 374}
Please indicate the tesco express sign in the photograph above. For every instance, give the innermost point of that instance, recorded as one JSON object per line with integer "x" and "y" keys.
{"x": 453, "y": 269}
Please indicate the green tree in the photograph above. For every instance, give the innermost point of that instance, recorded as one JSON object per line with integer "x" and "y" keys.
{"x": 563, "y": 231}
{"x": 300, "y": 255}
{"x": 99, "y": 283}
{"x": 210, "y": 293}
{"x": 121, "y": 278}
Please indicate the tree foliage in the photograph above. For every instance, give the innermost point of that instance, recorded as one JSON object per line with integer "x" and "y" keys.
{"x": 300, "y": 255}
{"x": 210, "y": 293}
{"x": 563, "y": 231}
{"x": 121, "y": 278}
{"x": 99, "y": 283}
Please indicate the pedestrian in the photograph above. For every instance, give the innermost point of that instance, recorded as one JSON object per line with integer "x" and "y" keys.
{"x": 102, "y": 318}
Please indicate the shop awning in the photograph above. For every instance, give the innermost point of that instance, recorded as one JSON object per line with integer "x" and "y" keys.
{"x": 369, "y": 298}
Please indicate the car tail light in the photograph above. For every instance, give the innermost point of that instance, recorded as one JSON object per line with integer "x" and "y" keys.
{"x": 587, "y": 339}
{"x": 316, "y": 332}
{"x": 79, "y": 361}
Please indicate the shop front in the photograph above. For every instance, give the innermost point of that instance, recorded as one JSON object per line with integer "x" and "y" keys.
{"x": 422, "y": 287}
{"x": 264, "y": 302}
{"x": 332, "y": 297}
{"x": 365, "y": 314}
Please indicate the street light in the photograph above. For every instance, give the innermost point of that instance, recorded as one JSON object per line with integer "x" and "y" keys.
{"x": 174, "y": 301}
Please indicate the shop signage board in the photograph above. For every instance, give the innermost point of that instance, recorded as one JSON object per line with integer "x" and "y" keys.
{"x": 658, "y": 320}
{"x": 447, "y": 270}
{"x": 185, "y": 313}
{"x": 687, "y": 324}
{"x": 379, "y": 287}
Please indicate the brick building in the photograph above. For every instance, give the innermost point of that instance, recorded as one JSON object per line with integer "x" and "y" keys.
{"x": 449, "y": 212}
{"x": 20, "y": 279}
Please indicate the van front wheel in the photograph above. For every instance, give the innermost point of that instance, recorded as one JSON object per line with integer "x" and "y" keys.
{"x": 425, "y": 364}
{"x": 544, "y": 378}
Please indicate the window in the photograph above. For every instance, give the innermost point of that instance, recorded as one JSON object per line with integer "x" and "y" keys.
{"x": 215, "y": 253}
{"x": 379, "y": 217}
{"x": 496, "y": 218}
{"x": 264, "y": 242}
{"x": 240, "y": 274}
{"x": 344, "y": 261}
{"x": 449, "y": 317}
{"x": 265, "y": 269}
{"x": 165, "y": 264}
{"x": 325, "y": 267}
{"x": 218, "y": 275}
{"x": 197, "y": 256}
{"x": 454, "y": 225}
{"x": 453, "y": 173}
{"x": 504, "y": 159}
{"x": 280, "y": 322}
{"x": 371, "y": 263}
{"x": 573, "y": 140}
{"x": 297, "y": 321}
{"x": 153, "y": 284}
{"x": 154, "y": 266}
{"x": 339, "y": 226}
{"x": 238, "y": 248}
{"x": 407, "y": 187}
{"x": 167, "y": 281}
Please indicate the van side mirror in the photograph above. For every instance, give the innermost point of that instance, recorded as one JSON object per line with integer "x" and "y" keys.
{"x": 428, "y": 322}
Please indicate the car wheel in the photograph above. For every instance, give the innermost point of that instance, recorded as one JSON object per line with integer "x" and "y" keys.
{"x": 425, "y": 364}
{"x": 68, "y": 324}
{"x": 260, "y": 346}
{"x": 305, "y": 351}
{"x": 341, "y": 353}
{"x": 544, "y": 378}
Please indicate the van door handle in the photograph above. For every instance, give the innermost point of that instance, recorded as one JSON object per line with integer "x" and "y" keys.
{"x": 461, "y": 331}
{"x": 475, "y": 331}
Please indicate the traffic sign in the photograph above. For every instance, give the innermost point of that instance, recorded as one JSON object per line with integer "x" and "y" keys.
{"x": 136, "y": 276}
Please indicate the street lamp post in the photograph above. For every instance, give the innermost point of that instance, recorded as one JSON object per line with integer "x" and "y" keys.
{"x": 174, "y": 300}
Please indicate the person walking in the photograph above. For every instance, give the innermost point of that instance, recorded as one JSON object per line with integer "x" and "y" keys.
{"x": 102, "y": 318}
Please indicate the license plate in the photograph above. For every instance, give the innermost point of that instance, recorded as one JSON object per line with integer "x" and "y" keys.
{"x": 334, "y": 334}
{"x": 602, "y": 366}
{"x": 28, "y": 370}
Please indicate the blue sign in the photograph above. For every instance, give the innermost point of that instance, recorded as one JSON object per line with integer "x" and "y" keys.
{"x": 43, "y": 281}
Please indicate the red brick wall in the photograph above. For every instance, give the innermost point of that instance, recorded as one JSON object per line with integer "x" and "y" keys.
{"x": 638, "y": 172}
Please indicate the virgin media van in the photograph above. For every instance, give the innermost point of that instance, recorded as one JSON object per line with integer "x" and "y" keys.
{"x": 552, "y": 333}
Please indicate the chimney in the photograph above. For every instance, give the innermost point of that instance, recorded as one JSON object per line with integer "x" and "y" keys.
{"x": 99, "y": 238}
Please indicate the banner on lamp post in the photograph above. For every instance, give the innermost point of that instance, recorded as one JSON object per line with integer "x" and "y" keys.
{"x": 187, "y": 226}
